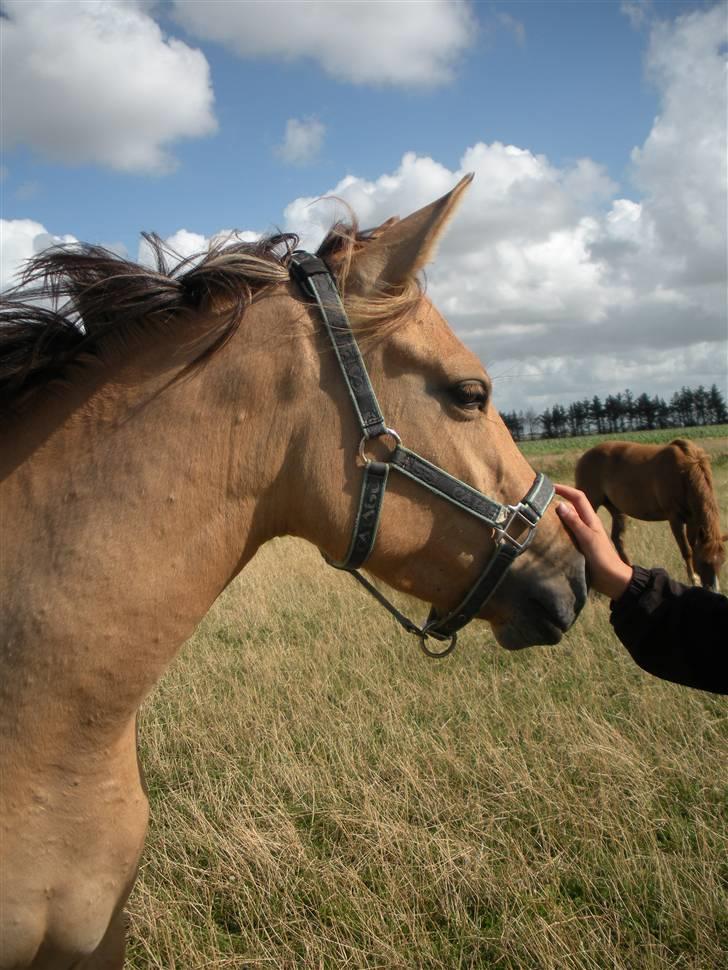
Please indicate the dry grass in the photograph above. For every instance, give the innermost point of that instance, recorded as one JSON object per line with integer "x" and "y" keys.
{"x": 325, "y": 797}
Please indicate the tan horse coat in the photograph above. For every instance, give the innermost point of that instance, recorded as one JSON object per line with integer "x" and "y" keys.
{"x": 133, "y": 491}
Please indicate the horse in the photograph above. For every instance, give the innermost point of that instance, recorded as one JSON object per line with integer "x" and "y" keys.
{"x": 159, "y": 426}
{"x": 672, "y": 482}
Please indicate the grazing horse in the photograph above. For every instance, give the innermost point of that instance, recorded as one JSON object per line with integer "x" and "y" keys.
{"x": 158, "y": 427}
{"x": 654, "y": 483}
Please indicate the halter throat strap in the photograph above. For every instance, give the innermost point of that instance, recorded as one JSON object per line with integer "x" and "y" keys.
{"x": 514, "y": 525}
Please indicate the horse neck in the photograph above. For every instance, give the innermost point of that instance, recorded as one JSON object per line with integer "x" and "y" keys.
{"x": 131, "y": 512}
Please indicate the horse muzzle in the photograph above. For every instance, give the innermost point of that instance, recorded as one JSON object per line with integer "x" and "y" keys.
{"x": 539, "y": 613}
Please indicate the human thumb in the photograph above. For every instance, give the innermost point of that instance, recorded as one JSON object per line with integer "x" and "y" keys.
{"x": 569, "y": 516}
{"x": 566, "y": 511}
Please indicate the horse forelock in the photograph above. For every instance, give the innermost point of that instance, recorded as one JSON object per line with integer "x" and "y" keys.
{"x": 372, "y": 312}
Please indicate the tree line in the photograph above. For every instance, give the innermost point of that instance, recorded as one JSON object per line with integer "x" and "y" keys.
{"x": 620, "y": 412}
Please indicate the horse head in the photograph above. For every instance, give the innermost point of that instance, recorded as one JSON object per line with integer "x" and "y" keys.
{"x": 708, "y": 555}
{"x": 439, "y": 398}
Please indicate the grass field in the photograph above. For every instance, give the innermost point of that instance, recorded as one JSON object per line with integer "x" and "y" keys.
{"x": 557, "y": 456}
{"x": 323, "y": 796}
{"x": 658, "y": 436}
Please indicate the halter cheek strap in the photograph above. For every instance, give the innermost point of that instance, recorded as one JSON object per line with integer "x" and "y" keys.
{"x": 513, "y": 525}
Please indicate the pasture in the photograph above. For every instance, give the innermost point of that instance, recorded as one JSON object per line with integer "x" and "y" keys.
{"x": 324, "y": 796}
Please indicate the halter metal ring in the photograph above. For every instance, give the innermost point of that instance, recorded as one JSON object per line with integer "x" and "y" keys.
{"x": 450, "y": 642}
{"x": 387, "y": 433}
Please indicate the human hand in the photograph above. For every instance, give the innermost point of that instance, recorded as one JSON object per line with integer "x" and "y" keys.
{"x": 608, "y": 574}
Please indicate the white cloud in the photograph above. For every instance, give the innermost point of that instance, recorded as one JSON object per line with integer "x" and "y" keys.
{"x": 561, "y": 285}
{"x": 389, "y": 42}
{"x": 302, "y": 141}
{"x": 184, "y": 243}
{"x": 513, "y": 25}
{"x": 564, "y": 285}
{"x": 99, "y": 82}
{"x": 638, "y": 12}
{"x": 20, "y": 239}
{"x": 681, "y": 167}
{"x": 519, "y": 249}
{"x": 517, "y": 194}
{"x": 522, "y": 383}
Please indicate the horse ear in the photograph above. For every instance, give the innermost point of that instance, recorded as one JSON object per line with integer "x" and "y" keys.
{"x": 399, "y": 248}
{"x": 387, "y": 224}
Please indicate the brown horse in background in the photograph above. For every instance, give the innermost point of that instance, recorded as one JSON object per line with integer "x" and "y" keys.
{"x": 654, "y": 483}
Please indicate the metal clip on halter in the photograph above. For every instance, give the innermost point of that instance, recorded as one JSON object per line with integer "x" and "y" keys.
{"x": 437, "y": 654}
{"x": 517, "y": 513}
{"x": 387, "y": 433}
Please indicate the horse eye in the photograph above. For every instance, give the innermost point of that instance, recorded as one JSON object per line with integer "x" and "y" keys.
{"x": 470, "y": 395}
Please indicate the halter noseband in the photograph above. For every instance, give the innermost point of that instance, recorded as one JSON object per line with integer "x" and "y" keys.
{"x": 509, "y": 522}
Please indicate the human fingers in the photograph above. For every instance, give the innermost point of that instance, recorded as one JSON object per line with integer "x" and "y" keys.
{"x": 581, "y": 503}
{"x": 582, "y": 534}
{"x": 566, "y": 490}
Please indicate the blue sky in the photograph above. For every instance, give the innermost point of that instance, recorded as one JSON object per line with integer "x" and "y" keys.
{"x": 557, "y": 81}
{"x": 574, "y": 86}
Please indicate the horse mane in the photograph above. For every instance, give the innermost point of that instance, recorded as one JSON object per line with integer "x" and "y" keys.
{"x": 72, "y": 299}
{"x": 700, "y": 492}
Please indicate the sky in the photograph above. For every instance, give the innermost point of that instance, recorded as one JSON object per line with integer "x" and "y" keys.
{"x": 588, "y": 256}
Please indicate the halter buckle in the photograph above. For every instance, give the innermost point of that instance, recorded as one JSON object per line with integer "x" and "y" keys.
{"x": 517, "y": 514}
{"x": 387, "y": 433}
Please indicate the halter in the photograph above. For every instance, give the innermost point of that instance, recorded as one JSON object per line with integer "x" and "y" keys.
{"x": 509, "y": 522}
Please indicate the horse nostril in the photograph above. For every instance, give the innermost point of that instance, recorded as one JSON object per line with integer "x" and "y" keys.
{"x": 580, "y": 589}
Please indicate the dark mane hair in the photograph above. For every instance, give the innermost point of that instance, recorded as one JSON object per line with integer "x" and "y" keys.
{"x": 71, "y": 297}
{"x": 701, "y": 493}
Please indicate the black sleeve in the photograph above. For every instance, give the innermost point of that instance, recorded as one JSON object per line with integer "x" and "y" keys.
{"x": 676, "y": 632}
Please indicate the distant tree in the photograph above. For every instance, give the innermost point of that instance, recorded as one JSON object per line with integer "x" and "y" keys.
{"x": 587, "y": 422}
{"x": 700, "y": 404}
{"x": 597, "y": 413}
{"x": 663, "y": 415}
{"x": 629, "y": 410}
{"x": 572, "y": 418}
{"x": 646, "y": 410}
{"x": 531, "y": 422}
{"x": 577, "y": 417}
{"x": 559, "y": 419}
{"x": 613, "y": 412}
{"x": 623, "y": 411}
{"x": 681, "y": 404}
{"x": 522, "y": 425}
{"x": 544, "y": 419}
{"x": 717, "y": 409}
{"x": 514, "y": 423}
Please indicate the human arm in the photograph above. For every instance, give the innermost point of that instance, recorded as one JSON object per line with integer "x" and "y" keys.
{"x": 675, "y": 632}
